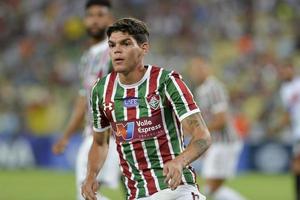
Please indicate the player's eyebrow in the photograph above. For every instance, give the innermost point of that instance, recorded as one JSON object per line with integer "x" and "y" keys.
{"x": 120, "y": 41}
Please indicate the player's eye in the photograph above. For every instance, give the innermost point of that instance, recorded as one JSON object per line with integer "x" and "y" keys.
{"x": 110, "y": 45}
{"x": 126, "y": 43}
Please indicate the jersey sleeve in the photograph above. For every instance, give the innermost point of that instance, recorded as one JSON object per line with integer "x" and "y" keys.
{"x": 180, "y": 96}
{"x": 100, "y": 121}
{"x": 219, "y": 98}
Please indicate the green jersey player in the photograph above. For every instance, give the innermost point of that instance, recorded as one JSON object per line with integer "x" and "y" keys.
{"x": 147, "y": 108}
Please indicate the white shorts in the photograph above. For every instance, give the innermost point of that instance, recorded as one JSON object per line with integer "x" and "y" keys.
{"x": 182, "y": 192}
{"x": 110, "y": 172}
{"x": 221, "y": 159}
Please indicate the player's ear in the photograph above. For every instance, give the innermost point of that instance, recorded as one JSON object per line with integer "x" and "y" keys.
{"x": 145, "y": 47}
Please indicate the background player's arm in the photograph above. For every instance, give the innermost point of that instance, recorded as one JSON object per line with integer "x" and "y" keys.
{"x": 74, "y": 124}
{"x": 218, "y": 121}
{"x": 97, "y": 156}
{"x": 200, "y": 141}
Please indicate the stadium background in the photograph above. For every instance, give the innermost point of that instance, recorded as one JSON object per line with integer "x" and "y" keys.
{"x": 42, "y": 40}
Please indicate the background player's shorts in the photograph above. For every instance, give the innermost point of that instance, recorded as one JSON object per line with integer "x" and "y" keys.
{"x": 221, "y": 159}
{"x": 110, "y": 172}
{"x": 182, "y": 192}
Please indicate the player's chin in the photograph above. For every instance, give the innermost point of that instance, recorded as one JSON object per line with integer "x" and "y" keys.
{"x": 119, "y": 68}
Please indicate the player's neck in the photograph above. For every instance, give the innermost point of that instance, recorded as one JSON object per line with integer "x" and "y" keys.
{"x": 133, "y": 76}
{"x": 202, "y": 81}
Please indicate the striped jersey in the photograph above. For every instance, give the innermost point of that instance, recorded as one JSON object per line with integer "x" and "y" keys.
{"x": 94, "y": 64}
{"x": 145, "y": 120}
{"x": 211, "y": 96}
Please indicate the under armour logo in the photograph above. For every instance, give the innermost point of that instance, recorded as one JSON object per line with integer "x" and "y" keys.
{"x": 107, "y": 106}
{"x": 195, "y": 196}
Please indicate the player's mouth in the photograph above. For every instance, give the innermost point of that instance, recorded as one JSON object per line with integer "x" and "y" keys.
{"x": 118, "y": 60}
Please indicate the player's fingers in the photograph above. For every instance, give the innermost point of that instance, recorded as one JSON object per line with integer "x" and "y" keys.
{"x": 175, "y": 181}
{"x": 58, "y": 148}
{"x": 165, "y": 170}
{"x": 169, "y": 176}
{"x": 95, "y": 186}
{"x": 90, "y": 195}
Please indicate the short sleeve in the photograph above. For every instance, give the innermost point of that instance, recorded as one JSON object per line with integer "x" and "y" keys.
{"x": 100, "y": 121}
{"x": 180, "y": 96}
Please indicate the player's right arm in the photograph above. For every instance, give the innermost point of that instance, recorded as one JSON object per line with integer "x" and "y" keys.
{"x": 75, "y": 122}
{"x": 97, "y": 156}
{"x": 99, "y": 149}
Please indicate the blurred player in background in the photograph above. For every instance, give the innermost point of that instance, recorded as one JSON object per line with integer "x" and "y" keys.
{"x": 95, "y": 63}
{"x": 220, "y": 161}
{"x": 290, "y": 96}
{"x": 146, "y": 107}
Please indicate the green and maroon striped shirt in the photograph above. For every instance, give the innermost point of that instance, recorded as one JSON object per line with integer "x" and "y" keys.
{"x": 145, "y": 120}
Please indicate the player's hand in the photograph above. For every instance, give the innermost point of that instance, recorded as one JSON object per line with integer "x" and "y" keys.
{"x": 60, "y": 146}
{"x": 173, "y": 172}
{"x": 89, "y": 189}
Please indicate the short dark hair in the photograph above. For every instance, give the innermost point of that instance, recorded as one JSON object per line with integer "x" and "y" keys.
{"x": 134, "y": 27}
{"x": 90, "y": 3}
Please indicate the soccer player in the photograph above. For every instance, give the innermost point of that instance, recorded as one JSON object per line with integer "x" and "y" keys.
{"x": 290, "y": 96}
{"x": 220, "y": 161}
{"x": 95, "y": 63}
{"x": 146, "y": 108}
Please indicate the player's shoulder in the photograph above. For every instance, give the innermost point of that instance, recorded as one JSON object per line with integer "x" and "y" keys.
{"x": 103, "y": 80}
{"x": 167, "y": 74}
{"x": 214, "y": 81}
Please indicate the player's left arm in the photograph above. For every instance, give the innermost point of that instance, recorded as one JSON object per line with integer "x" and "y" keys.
{"x": 199, "y": 143}
{"x": 189, "y": 115}
{"x": 97, "y": 156}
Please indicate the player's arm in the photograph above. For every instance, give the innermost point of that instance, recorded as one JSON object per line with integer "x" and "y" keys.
{"x": 97, "y": 156}
{"x": 75, "y": 122}
{"x": 99, "y": 148}
{"x": 199, "y": 143}
{"x": 189, "y": 115}
{"x": 218, "y": 121}
{"x": 200, "y": 138}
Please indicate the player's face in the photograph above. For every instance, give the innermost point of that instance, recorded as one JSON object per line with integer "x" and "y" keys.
{"x": 126, "y": 54}
{"x": 197, "y": 71}
{"x": 97, "y": 19}
{"x": 286, "y": 73}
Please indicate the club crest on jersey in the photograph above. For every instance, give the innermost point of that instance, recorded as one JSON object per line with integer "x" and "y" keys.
{"x": 153, "y": 101}
{"x": 108, "y": 106}
{"x": 125, "y": 131}
{"x": 130, "y": 102}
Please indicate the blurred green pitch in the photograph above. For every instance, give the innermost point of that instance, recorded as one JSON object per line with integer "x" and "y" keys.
{"x": 54, "y": 185}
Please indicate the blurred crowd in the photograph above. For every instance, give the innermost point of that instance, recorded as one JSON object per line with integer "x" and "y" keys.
{"x": 42, "y": 40}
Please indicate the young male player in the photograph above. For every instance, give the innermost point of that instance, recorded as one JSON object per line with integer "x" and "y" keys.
{"x": 146, "y": 107}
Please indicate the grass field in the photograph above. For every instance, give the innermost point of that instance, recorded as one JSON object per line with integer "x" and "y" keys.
{"x": 53, "y": 185}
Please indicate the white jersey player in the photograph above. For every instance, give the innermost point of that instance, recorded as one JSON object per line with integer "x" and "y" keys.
{"x": 221, "y": 159}
{"x": 290, "y": 96}
{"x": 94, "y": 64}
